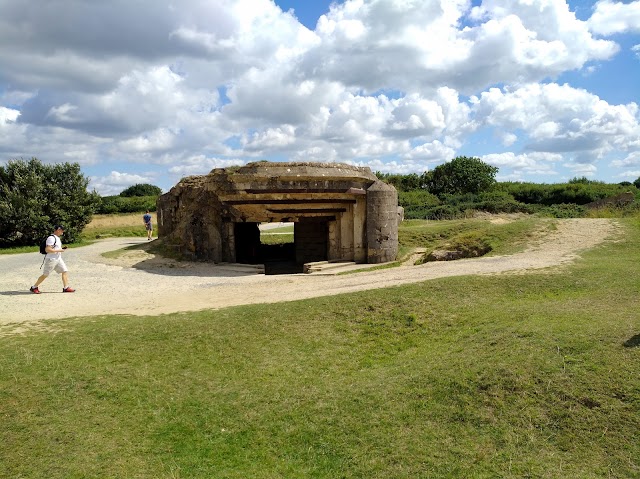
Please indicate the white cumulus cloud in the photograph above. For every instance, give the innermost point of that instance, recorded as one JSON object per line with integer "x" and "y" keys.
{"x": 615, "y": 17}
{"x": 394, "y": 84}
{"x": 116, "y": 182}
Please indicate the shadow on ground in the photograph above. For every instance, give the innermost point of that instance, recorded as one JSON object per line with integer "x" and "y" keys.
{"x": 632, "y": 342}
{"x": 147, "y": 257}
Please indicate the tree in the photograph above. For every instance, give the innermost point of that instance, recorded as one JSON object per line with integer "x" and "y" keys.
{"x": 583, "y": 180}
{"x": 460, "y": 175}
{"x": 142, "y": 190}
{"x": 34, "y": 197}
{"x": 401, "y": 182}
{"x": 637, "y": 183}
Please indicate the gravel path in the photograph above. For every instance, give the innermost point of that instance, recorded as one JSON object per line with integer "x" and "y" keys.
{"x": 156, "y": 286}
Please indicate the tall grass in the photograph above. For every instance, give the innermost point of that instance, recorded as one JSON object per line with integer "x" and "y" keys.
{"x": 478, "y": 377}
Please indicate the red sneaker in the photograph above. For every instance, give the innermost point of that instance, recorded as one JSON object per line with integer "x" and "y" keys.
{"x": 34, "y": 290}
{"x": 68, "y": 289}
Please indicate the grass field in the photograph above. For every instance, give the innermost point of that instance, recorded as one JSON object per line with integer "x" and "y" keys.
{"x": 280, "y": 235}
{"x": 120, "y": 225}
{"x": 508, "y": 376}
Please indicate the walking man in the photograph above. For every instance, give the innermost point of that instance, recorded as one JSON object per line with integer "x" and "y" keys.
{"x": 53, "y": 261}
{"x": 147, "y": 224}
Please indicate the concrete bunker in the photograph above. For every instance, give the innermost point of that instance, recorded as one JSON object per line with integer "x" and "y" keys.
{"x": 339, "y": 212}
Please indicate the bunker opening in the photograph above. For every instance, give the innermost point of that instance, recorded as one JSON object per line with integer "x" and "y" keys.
{"x": 283, "y": 252}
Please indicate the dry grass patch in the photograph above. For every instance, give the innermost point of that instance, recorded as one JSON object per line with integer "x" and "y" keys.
{"x": 115, "y": 221}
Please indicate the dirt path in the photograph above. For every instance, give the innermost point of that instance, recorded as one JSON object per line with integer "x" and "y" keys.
{"x": 156, "y": 286}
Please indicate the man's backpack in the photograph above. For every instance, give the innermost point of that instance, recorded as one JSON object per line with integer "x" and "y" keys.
{"x": 43, "y": 245}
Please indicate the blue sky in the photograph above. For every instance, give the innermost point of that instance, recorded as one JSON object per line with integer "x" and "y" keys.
{"x": 152, "y": 91}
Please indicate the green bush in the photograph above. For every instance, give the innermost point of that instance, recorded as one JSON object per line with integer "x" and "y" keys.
{"x": 576, "y": 192}
{"x": 34, "y": 197}
{"x": 142, "y": 190}
{"x": 417, "y": 199}
{"x": 441, "y": 212}
{"x": 466, "y": 184}
{"x": 402, "y": 183}
{"x": 460, "y": 175}
{"x": 564, "y": 211}
{"x": 420, "y": 204}
{"x": 123, "y": 204}
{"x": 501, "y": 202}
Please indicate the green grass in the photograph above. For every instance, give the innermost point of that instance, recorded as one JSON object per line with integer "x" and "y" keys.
{"x": 112, "y": 232}
{"x": 471, "y": 377}
{"x": 281, "y": 235}
{"x": 630, "y": 211}
{"x": 282, "y": 229}
{"x": 503, "y": 238}
{"x": 35, "y": 249}
{"x": 19, "y": 250}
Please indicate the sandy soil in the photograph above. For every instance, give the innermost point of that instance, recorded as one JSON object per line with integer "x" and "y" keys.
{"x": 139, "y": 283}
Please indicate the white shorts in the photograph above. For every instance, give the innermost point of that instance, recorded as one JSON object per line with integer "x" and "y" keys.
{"x": 54, "y": 264}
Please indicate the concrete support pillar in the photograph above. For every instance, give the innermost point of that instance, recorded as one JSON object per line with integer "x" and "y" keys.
{"x": 346, "y": 234}
{"x": 334, "y": 248}
{"x": 382, "y": 223}
{"x": 228, "y": 242}
{"x": 359, "y": 230}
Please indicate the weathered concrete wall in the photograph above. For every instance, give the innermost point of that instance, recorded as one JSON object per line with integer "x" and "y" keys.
{"x": 189, "y": 220}
{"x": 348, "y": 206}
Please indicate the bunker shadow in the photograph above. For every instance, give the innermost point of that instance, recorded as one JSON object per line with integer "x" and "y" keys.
{"x": 632, "y": 342}
{"x": 148, "y": 257}
{"x": 155, "y": 262}
{"x": 168, "y": 267}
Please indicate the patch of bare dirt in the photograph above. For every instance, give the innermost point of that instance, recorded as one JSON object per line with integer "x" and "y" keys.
{"x": 499, "y": 219}
{"x": 140, "y": 283}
